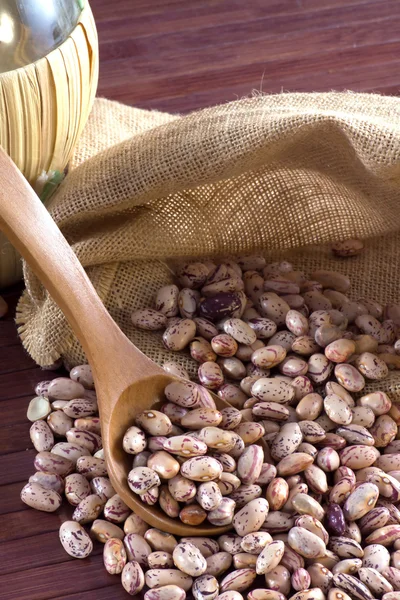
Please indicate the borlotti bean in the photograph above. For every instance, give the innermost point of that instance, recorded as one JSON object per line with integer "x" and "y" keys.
{"x": 103, "y": 530}
{"x": 40, "y": 498}
{"x": 114, "y": 556}
{"x": 318, "y": 506}
{"x": 74, "y": 539}
{"x": 49, "y": 481}
{"x": 132, "y": 578}
{"x": 189, "y": 559}
{"x": 41, "y": 436}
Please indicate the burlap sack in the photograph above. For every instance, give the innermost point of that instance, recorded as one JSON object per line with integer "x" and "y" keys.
{"x": 273, "y": 174}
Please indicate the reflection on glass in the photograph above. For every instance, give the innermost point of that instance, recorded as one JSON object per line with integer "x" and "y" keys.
{"x": 30, "y": 29}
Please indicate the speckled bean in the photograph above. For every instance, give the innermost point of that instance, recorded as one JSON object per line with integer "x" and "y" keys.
{"x": 185, "y": 445}
{"x": 205, "y": 587}
{"x": 305, "y": 345}
{"x": 163, "y": 464}
{"x": 358, "y": 457}
{"x": 132, "y": 578}
{"x": 41, "y": 436}
{"x": 337, "y": 409}
{"x": 271, "y": 411}
{"x": 240, "y": 331}
{"x": 309, "y": 407}
{"x": 374, "y": 581}
{"x": 74, "y": 539}
{"x": 137, "y": 548}
{"x": 218, "y": 563}
{"x": 87, "y": 424}
{"x": 83, "y": 374}
{"x": 168, "y": 503}
{"x": 49, "y": 481}
{"x": 349, "y": 377}
{"x": 251, "y": 517}
{"x": 305, "y": 504}
{"x": 88, "y": 509}
{"x": 268, "y": 357}
{"x": 327, "y": 334}
{"x": 201, "y": 468}
{"x": 273, "y": 307}
{"x": 305, "y": 543}
{"x": 223, "y": 513}
{"x": 315, "y": 300}
{"x": 175, "y": 369}
{"x": 352, "y": 585}
{"x": 293, "y": 463}
{"x": 115, "y": 509}
{"x": 80, "y": 407}
{"x": 134, "y": 524}
{"x": 210, "y": 375}
{"x": 209, "y": 495}
{"x": 216, "y": 438}
{"x": 253, "y": 543}
{"x": 239, "y": 580}
{"x": 296, "y": 323}
{"x": 270, "y": 557}
{"x": 339, "y": 351}
{"x": 77, "y": 488}
{"x": 189, "y": 559}
{"x": 103, "y": 530}
{"x": 156, "y": 578}
{"x": 371, "y": 366}
{"x": 149, "y": 319}
{"x": 40, "y": 498}
{"x": 293, "y": 366}
{"x": 114, "y": 556}
{"x": 64, "y": 388}
{"x": 249, "y": 432}
{"x": 181, "y": 488}
{"x": 384, "y": 536}
{"x": 378, "y": 402}
{"x": 70, "y": 451}
{"x": 228, "y": 483}
{"x": 59, "y": 423}
{"x": 222, "y": 305}
{"x": 300, "y": 579}
{"x": 160, "y": 560}
{"x": 250, "y": 464}
{"x": 53, "y": 463}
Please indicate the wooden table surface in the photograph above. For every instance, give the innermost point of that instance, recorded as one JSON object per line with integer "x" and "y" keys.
{"x": 177, "y": 56}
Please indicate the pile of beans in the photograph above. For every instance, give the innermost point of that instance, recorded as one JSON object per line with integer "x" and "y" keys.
{"x": 315, "y": 512}
{"x": 241, "y": 319}
{"x": 189, "y": 442}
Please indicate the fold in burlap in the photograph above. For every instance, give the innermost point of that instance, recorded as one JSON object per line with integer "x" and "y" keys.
{"x": 271, "y": 174}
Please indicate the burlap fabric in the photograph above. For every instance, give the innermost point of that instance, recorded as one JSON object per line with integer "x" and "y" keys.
{"x": 273, "y": 174}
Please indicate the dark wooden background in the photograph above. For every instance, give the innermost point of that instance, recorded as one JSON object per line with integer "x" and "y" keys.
{"x": 177, "y": 56}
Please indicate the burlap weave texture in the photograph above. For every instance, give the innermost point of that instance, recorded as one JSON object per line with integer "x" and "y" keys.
{"x": 273, "y": 174}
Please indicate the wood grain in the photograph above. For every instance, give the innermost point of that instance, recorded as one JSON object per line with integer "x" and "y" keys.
{"x": 178, "y": 56}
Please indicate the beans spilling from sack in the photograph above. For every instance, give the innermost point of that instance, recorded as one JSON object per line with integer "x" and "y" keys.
{"x": 325, "y": 530}
{"x": 240, "y": 320}
{"x": 315, "y": 515}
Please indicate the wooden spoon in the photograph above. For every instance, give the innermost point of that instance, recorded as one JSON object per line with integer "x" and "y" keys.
{"x": 127, "y": 382}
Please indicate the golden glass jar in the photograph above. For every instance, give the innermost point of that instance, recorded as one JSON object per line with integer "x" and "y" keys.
{"x": 48, "y": 81}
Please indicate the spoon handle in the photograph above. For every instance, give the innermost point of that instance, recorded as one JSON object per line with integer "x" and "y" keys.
{"x": 30, "y": 228}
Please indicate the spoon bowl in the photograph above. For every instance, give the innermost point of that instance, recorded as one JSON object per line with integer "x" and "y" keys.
{"x": 143, "y": 395}
{"x": 126, "y": 381}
